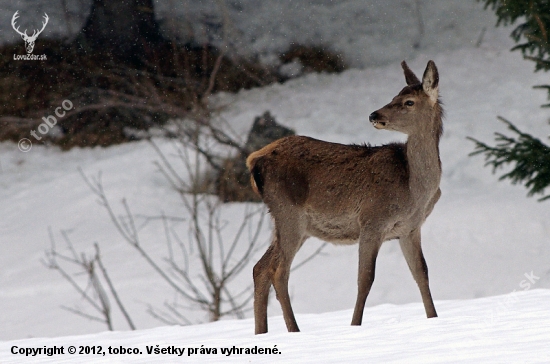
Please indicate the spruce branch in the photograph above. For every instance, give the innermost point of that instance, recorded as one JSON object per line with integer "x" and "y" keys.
{"x": 529, "y": 155}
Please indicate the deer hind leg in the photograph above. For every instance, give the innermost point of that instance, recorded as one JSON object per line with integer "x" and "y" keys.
{"x": 263, "y": 273}
{"x": 274, "y": 268}
{"x": 411, "y": 247}
{"x": 368, "y": 251}
{"x": 290, "y": 241}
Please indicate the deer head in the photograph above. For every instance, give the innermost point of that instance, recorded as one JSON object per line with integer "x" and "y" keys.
{"x": 415, "y": 108}
{"x": 29, "y": 40}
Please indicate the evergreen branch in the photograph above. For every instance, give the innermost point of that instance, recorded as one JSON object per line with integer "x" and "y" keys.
{"x": 529, "y": 155}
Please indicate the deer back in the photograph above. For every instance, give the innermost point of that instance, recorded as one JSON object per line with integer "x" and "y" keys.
{"x": 328, "y": 177}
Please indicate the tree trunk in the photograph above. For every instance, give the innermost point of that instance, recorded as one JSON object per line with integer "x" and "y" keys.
{"x": 123, "y": 30}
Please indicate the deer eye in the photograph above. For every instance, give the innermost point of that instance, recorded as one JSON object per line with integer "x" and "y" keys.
{"x": 409, "y": 103}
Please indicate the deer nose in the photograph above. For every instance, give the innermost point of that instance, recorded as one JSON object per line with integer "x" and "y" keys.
{"x": 373, "y": 116}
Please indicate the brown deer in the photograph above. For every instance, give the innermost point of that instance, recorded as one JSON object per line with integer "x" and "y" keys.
{"x": 352, "y": 193}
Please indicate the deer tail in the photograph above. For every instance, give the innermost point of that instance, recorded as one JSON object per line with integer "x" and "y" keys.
{"x": 254, "y": 164}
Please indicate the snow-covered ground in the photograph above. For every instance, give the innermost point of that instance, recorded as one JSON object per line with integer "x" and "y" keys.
{"x": 502, "y": 329}
{"x": 484, "y": 238}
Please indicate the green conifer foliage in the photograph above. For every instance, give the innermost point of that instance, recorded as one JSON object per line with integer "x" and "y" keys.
{"x": 529, "y": 156}
{"x": 532, "y": 33}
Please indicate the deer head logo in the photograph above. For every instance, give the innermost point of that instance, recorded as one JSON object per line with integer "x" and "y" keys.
{"x": 29, "y": 40}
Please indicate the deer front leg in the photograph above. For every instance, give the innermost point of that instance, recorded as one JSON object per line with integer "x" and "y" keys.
{"x": 368, "y": 251}
{"x": 412, "y": 249}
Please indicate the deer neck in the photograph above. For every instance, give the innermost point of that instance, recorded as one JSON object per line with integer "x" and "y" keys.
{"x": 423, "y": 160}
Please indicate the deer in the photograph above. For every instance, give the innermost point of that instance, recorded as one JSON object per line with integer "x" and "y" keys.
{"x": 348, "y": 194}
{"x": 29, "y": 40}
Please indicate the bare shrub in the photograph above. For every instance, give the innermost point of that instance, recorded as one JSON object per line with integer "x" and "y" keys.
{"x": 109, "y": 97}
{"x": 93, "y": 292}
{"x": 203, "y": 261}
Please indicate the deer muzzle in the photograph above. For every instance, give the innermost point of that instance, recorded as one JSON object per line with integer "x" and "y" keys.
{"x": 376, "y": 121}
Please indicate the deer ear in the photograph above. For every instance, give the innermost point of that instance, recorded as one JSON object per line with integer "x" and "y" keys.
{"x": 430, "y": 82}
{"x": 410, "y": 77}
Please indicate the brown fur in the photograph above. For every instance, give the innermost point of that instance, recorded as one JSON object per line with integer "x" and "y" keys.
{"x": 348, "y": 193}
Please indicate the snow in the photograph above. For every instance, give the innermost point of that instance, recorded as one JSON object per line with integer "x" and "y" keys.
{"x": 485, "y": 242}
{"x": 504, "y": 329}
{"x": 258, "y": 28}
{"x": 356, "y": 28}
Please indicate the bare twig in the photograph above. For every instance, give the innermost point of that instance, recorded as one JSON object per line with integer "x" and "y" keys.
{"x": 212, "y": 80}
{"x": 112, "y": 288}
